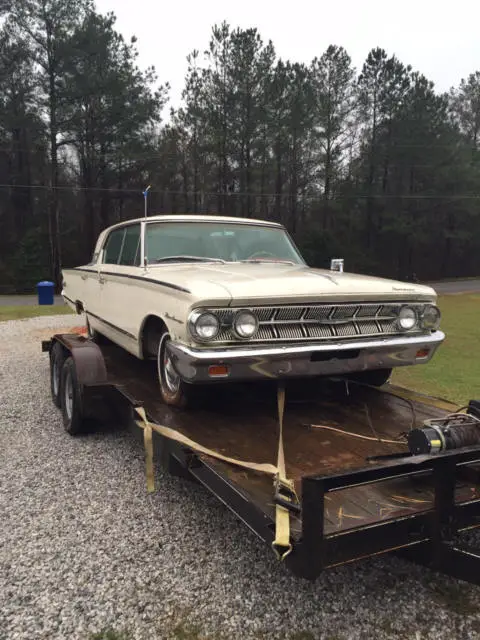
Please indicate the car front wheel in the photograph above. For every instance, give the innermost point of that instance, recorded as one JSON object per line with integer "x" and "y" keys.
{"x": 173, "y": 390}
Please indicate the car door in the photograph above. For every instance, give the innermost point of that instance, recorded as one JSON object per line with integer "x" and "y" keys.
{"x": 120, "y": 289}
{"x": 104, "y": 278}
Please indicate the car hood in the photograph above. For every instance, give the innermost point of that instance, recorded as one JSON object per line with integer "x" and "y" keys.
{"x": 278, "y": 283}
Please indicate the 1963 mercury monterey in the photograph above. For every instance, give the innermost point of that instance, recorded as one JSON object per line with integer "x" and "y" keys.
{"x": 213, "y": 298}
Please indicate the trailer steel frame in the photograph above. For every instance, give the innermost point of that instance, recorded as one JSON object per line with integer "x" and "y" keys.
{"x": 428, "y": 537}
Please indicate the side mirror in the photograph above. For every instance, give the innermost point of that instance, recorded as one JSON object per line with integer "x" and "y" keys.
{"x": 336, "y": 264}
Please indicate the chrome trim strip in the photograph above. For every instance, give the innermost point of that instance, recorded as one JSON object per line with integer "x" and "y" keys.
{"x": 95, "y": 272}
{"x": 112, "y": 326}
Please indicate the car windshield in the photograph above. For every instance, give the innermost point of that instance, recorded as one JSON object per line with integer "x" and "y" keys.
{"x": 230, "y": 242}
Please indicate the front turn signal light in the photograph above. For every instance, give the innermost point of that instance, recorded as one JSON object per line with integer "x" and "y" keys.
{"x": 422, "y": 353}
{"x": 218, "y": 371}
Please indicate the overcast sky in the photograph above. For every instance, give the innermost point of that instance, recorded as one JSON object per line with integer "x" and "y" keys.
{"x": 437, "y": 38}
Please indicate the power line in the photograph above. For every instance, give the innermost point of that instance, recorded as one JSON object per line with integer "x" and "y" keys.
{"x": 68, "y": 188}
{"x": 147, "y": 155}
{"x": 228, "y": 195}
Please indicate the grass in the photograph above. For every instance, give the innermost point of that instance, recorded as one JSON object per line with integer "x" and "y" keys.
{"x": 184, "y": 631}
{"x": 454, "y": 371}
{"x": 21, "y": 312}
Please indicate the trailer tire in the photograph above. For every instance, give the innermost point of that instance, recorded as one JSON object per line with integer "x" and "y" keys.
{"x": 72, "y": 399}
{"x": 374, "y": 377}
{"x": 57, "y": 358}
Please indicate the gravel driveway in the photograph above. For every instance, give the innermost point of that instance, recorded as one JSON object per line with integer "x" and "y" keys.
{"x": 83, "y": 547}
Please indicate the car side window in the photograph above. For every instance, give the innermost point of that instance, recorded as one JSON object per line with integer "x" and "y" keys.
{"x": 113, "y": 246}
{"x": 130, "y": 254}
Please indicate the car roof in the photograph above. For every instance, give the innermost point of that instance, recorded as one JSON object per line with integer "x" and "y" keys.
{"x": 176, "y": 217}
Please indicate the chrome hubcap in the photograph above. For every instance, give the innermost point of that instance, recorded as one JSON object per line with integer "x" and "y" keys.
{"x": 55, "y": 377}
{"x": 166, "y": 369}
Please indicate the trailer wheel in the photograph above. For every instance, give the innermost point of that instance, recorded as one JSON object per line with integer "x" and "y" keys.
{"x": 173, "y": 390}
{"x": 57, "y": 358}
{"x": 72, "y": 399}
{"x": 374, "y": 377}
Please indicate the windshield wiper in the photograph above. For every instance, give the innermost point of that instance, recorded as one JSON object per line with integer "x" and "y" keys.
{"x": 186, "y": 259}
{"x": 268, "y": 260}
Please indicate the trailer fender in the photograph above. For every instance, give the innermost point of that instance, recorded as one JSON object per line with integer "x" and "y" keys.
{"x": 89, "y": 362}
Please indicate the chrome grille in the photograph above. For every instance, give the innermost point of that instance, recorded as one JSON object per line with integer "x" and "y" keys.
{"x": 294, "y": 313}
{"x": 319, "y": 331}
{"x": 388, "y": 326}
{"x": 368, "y": 311}
{"x": 314, "y": 313}
{"x": 294, "y": 323}
{"x": 264, "y": 314}
{"x": 344, "y": 312}
{"x": 345, "y": 330}
{"x": 369, "y": 328}
{"x": 290, "y": 332}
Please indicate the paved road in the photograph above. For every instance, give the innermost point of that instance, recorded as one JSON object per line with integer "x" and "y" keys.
{"x": 457, "y": 286}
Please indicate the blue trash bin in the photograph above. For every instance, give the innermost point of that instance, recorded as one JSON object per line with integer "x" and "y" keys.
{"x": 46, "y": 292}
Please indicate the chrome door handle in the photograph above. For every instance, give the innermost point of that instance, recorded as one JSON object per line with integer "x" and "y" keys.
{"x": 101, "y": 279}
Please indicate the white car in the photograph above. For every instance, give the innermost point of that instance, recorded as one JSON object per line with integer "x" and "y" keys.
{"x": 216, "y": 298}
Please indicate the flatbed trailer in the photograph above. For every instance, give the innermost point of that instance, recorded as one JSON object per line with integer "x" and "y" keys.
{"x": 356, "y": 491}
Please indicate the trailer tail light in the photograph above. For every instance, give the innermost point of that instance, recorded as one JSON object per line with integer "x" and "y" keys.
{"x": 218, "y": 371}
{"x": 422, "y": 353}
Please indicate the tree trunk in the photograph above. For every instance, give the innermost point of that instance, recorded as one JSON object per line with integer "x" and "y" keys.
{"x": 278, "y": 184}
{"x": 371, "y": 178}
{"x": 263, "y": 177}
{"x": 105, "y": 197}
{"x": 54, "y": 227}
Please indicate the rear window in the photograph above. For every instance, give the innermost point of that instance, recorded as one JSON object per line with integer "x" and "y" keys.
{"x": 123, "y": 246}
{"x": 130, "y": 254}
{"x": 113, "y": 246}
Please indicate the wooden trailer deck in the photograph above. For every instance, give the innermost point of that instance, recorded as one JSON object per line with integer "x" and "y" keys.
{"x": 241, "y": 422}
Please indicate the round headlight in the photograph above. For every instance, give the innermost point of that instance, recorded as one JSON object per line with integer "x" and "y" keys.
{"x": 205, "y": 325}
{"x": 407, "y": 318}
{"x": 245, "y": 324}
{"x": 431, "y": 317}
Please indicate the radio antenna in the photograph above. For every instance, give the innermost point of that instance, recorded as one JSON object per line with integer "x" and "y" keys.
{"x": 145, "y": 195}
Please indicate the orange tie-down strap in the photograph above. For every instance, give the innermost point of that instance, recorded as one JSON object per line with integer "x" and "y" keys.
{"x": 284, "y": 488}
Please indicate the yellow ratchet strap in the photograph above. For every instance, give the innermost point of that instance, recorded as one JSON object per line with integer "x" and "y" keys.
{"x": 286, "y": 499}
{"x": 148, "y": 427}
{"x": 285, "y": 496}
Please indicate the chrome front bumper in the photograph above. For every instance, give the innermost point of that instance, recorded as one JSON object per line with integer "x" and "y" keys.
{"x": 301, "y": 360}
